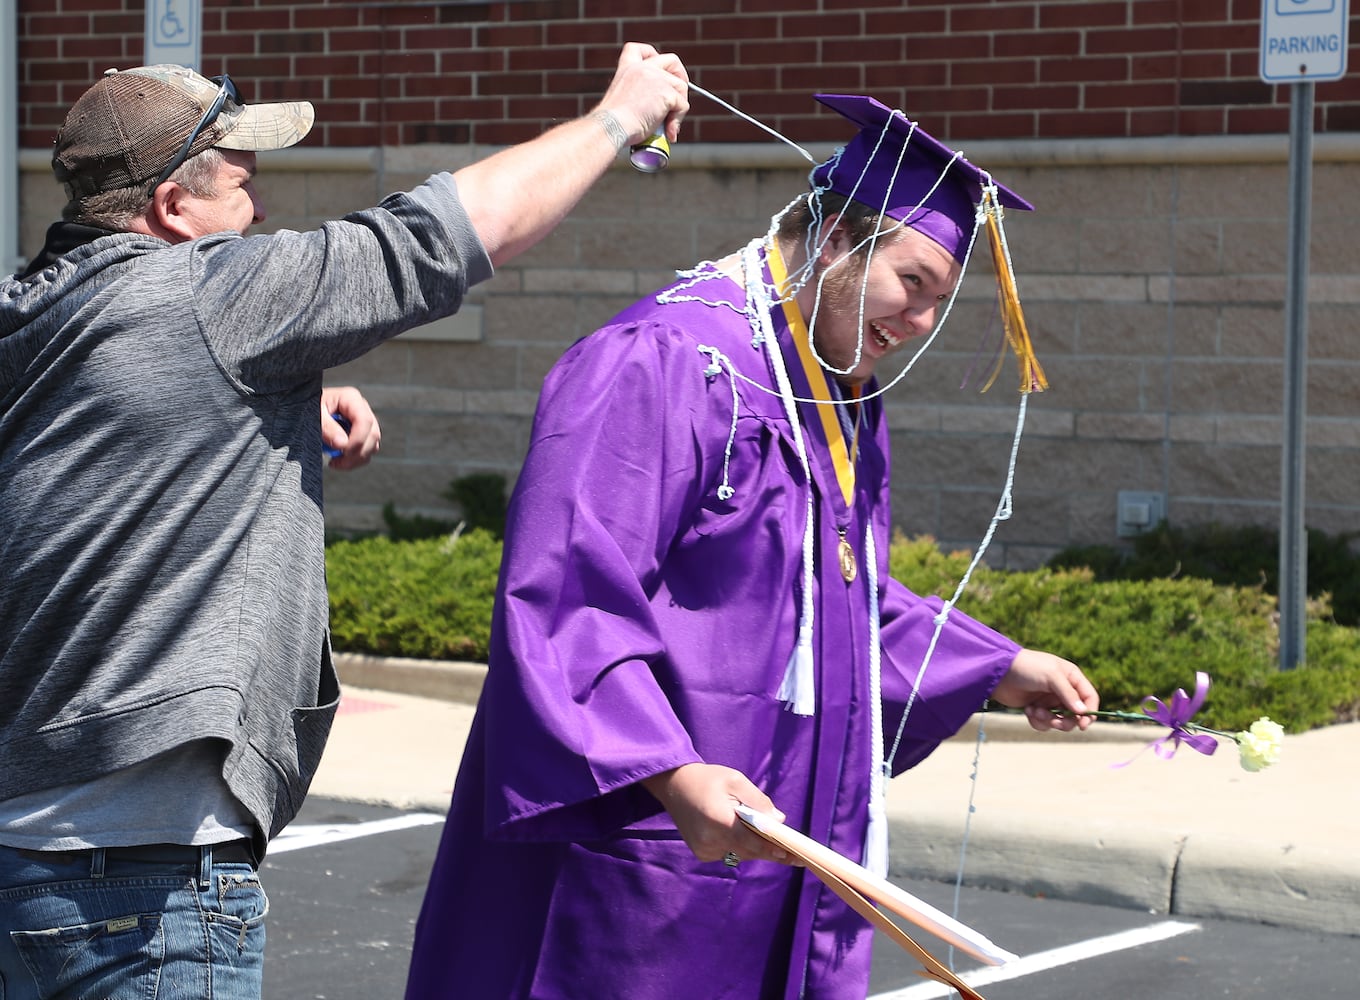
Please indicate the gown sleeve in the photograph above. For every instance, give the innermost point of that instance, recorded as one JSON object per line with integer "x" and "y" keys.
{"x": 576, "y": 713}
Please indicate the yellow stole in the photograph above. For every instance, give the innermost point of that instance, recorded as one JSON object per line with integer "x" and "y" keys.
{"x": 842, "y": 452}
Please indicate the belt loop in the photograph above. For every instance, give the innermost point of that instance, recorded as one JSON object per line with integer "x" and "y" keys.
{"x": 205, "y": 863}
{"x": 97, "y": 863}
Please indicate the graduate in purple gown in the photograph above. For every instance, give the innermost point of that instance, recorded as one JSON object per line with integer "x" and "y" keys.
{"x": 695, "y": 610}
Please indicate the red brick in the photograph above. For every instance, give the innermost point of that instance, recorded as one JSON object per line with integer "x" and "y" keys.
{"x": 836, "y": 25}
{"x": 473, "y": 61}
{"x": 1247, "y": 121}
{"x": 948, "y": 47}
{"x": 1205, "y": 66}
{"x": 700, "y": 56}
{"x": 326, "y": 16}
{"x": 777, "y": 53}
{"x": 864, "y": 49}
{"x": 1243, "y": 64}
{"x": 510, "y": 36}
{"x": 547, "y": 59}
{"x": 326, "y": 65}
{"x": 997, "y": 72}
{"x": 601, "y": 32}
{"x": 1221, "y": 36}
{"x": 1133, "y": 40}
{"x": 541, "y": 10}
{"x": 920, "y": 75}
{"x": 726, "y": 81}
{"x": 992, "y": 126}
{"x": 1162, "y": 121}
{"x": 666, "y": 34}
{"x": 259, "y": 23}
{"x": 546, "y": 109}
{"x": 506, "y": 84}
{"x": 1341, "y": 118}
{"x": 1086, "y": 15}
{"x": 1223, "y": 92}
{"x": 1010, "y": 17}
{"x": 1209, "y": 10}
{"x": 291, "y": 41}
{"x": 592, "y": 9}
{"x": 1045, "y": 43}
{"x": 846, "y": 78}
{"x": 1104, "y": 69}
{"x": 1202, "y": 121}
{"x": 738, "y": 28}
{"x": 1137, "y": 95}
{"x": 1040, "y": 98}
{"x": 960, "y": 99}
{"x": 695, "y": 8}
{"x": 1156, "y": 12}
{"x": 928, "y": 21}
{"x": 118, "y": 24}
{"x": 1081, "y": 124}
{"x": 79, "y": 6}
{"x": 918, "y": 8}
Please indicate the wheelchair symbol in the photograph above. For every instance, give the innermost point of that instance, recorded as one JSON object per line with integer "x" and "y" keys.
{"x": 168, "y": 25}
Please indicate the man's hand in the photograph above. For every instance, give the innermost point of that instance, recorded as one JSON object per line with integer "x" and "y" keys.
{"x": 649, "y": 88}
{"x": 1040, "y": 682}
{"x": 358, "y": 445}
{"x": 702, "y": 800}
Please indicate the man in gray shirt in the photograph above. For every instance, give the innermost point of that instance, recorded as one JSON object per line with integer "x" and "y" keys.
{"x": 166, "y": 685}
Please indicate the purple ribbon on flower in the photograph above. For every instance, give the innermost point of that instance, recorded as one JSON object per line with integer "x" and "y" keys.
{"x": 1177, "y": 716}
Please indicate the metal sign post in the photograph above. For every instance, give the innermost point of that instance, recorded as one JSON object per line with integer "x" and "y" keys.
{"x": 1302, "y": 41}
{"x": 174, "y": 32}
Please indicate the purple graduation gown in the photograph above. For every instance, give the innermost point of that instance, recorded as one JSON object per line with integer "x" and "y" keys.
{"x": 643, "y": 623}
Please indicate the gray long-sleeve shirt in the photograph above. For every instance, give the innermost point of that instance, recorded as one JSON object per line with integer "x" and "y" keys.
{"x": 161, "y": 562}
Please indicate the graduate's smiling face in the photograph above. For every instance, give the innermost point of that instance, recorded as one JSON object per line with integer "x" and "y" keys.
{"x": 875, "y": 302}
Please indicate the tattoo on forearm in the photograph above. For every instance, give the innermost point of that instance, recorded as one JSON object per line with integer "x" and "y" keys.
{"x": 612, "y": 128}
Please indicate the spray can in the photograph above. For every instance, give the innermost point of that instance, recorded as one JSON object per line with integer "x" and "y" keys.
{"x": 652, "y": 154}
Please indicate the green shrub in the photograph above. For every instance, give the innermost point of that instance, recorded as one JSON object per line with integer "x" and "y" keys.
{"x": 1137, "y": 638}
{"x": 428, "y": 598}
{"x": 432, "y": 598}
{"x": 1242, "y": 556}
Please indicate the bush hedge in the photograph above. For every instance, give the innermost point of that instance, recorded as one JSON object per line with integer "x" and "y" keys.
{"x": 432, "y": 598}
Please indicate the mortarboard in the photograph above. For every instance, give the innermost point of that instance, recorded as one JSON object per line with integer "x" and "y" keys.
{"x": 875, "y": 169}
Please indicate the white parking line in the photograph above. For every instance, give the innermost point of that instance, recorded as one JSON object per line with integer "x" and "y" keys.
{"x": 298, "y": 836}
{"x": 1045, "y": 960}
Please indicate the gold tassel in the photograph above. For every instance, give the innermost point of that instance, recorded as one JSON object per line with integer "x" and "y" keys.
{"x": 1012, "y": 316}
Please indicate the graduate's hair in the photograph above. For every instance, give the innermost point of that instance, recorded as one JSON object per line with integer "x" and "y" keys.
{"x": 812, "y": 209}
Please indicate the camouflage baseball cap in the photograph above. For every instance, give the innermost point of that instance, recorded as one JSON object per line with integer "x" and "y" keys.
{"x": 129, "y": 126}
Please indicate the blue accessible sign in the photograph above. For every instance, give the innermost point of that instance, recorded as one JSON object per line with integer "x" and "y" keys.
{"x": 1303, "y": 40}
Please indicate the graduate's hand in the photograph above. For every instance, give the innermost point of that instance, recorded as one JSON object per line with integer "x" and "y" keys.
{"x": 1040, "y": 682}
{"x": 361, "y": 442}
{"x": 702, "y": 800}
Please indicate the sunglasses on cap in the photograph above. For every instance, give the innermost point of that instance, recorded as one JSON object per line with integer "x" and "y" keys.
{"x": 226, "y": 91}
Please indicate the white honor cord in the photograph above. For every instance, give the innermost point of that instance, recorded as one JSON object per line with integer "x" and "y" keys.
{"x": 798, "y": 689}
{"x": 876, "y": 838}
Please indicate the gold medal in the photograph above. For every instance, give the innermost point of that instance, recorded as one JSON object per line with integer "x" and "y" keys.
{"x": 846, "y": 555}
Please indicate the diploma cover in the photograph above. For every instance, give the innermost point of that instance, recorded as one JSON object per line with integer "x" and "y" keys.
{"x": 861, "y": 890}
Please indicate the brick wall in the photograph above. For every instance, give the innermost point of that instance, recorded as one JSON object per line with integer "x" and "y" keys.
{"x": 400, "y": 72}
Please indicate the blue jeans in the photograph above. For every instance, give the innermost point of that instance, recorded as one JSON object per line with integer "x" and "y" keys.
{"x": 83, "y": 924}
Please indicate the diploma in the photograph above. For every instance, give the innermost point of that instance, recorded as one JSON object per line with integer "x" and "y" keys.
{"x": 860, "y": 888}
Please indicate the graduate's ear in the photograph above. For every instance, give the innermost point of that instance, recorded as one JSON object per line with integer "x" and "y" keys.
{"x": 834, "y": 241}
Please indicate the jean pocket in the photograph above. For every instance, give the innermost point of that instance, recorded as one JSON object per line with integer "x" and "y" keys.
{"x": 237, "y": 915}
{"x": 121, "y": 956}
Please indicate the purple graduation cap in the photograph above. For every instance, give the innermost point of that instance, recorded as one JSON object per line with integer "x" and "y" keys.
{"x": 874, "y": 170}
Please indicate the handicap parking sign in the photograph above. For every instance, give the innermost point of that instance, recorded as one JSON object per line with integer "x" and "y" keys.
{"x": 1303, "y": 40}
{"x": 174, "y": 32}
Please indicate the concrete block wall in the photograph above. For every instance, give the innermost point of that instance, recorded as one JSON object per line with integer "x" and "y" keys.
{"x": 1152, "y": 274}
